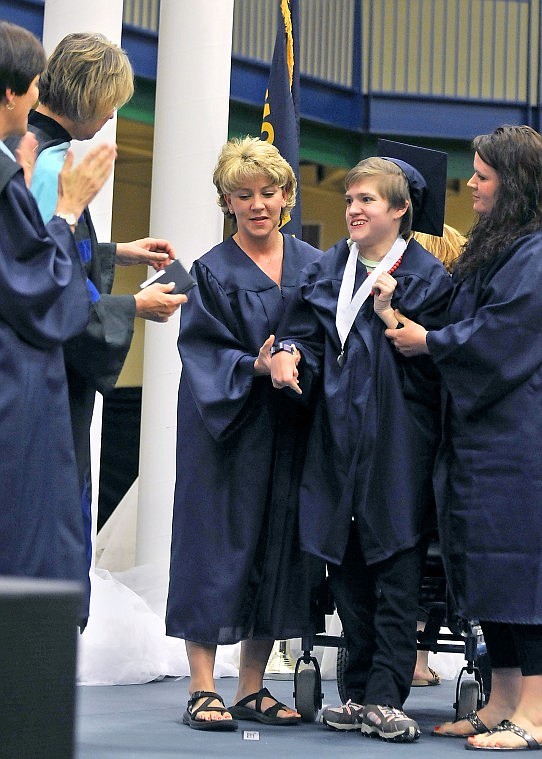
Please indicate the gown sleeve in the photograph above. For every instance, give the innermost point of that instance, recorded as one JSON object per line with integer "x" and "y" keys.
{"x": 424, "y": 300}
{"x": 98, "y": 354}
{"x": 488, "y": 354}
{"x": 43, "y": 296}
{"x": 217, "y": 366}
{"x": 300, "y": 325}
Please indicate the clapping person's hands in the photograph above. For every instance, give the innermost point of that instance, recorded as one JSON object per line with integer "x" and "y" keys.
{"x": 26, "y": 154}
{"x": 78, "y": 185}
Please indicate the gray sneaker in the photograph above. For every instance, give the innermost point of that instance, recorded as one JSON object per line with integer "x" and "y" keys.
{"x": 345, "y": 717}
{"x": 389, "y": 723}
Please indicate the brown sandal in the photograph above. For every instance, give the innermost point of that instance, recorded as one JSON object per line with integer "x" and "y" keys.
{"x": 422, "y": 681}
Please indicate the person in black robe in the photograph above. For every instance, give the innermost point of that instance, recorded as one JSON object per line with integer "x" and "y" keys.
{"x": 43, "y": 302}
{"x": 85, "y": 80}
{"x": 487, "y": 476}
{"x": 237, "y": 573}
{"x": 366, "y": 495}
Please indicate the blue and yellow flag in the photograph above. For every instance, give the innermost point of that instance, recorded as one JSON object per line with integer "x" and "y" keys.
{"x": 280, "y": 125}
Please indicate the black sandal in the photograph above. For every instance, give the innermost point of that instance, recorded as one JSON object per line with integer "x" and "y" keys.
{"x": 190, "y": 717}
{"x": 507, "y": 726}
{"x": 240, "y": 710}
{"x": 478, "y": 727}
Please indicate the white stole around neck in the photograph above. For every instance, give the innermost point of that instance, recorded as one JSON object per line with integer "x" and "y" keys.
{"x": 349, "y": 304}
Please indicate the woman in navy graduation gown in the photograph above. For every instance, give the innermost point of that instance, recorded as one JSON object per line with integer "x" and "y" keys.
{"x": 43, "y": 301}
{"x": 236, "y": 572}
{"x": 488, "y": 477}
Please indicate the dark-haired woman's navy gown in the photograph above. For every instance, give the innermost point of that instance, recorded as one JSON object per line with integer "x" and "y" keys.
{"x": 236, "y": 567}
{"x": 488, "y": 478}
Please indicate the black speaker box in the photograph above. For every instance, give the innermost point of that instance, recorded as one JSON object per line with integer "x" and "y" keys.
{"x": 38, "y": 643}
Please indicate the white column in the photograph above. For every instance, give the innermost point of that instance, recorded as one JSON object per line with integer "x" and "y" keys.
{"x": 62, "y": 17}
{"x": 191, "y": 121}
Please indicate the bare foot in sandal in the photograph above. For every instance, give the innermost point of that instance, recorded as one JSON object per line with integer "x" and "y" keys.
{"x": 501, "y": 705}
{"x": 509, "y": 736}
{"x": 263, "y": 707}
{"x": 425, "y": 676}
{"x": 472, "y": 724}
{"x": 206, "y": 711}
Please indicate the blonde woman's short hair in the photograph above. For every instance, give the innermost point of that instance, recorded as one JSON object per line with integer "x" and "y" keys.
{"x": 391, "y": 184}
{"x": 244, "y": 158}
{"x": 86, "y": 77}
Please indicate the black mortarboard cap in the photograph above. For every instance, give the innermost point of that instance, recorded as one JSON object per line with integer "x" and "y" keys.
{"x": 425, "y": 170}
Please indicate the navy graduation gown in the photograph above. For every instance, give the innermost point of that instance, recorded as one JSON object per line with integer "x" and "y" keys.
{"x": 371, "y": 450}
{"x": 43, "y": 301}
{"x": 236, "y": 569}
{"x": 488, "y": 477}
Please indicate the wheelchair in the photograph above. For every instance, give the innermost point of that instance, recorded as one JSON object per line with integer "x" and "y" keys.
{"x": 444, "y": 631}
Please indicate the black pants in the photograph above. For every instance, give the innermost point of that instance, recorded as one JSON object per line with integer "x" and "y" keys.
{"x": 510, "y": 645}
{"x": 378, "y": 608}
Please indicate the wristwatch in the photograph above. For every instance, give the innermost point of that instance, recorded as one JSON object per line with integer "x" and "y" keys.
{"x": 69, "y": 218}
{"x": 289, "y": 347}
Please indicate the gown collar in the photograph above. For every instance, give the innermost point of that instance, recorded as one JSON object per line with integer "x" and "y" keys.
{"x": 290, "y": 266}
{"x": 7, "y": 151}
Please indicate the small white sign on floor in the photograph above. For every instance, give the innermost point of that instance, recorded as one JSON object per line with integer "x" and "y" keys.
{"x": 251, "y": 735}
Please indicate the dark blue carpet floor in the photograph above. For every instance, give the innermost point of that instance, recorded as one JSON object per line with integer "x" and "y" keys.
{"x": 143, "y": 722}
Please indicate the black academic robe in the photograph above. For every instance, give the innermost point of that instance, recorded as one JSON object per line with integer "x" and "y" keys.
{"x": 236, "y": 569}
{"x": 371, "y": 450}
{"x": 488, "y": 477}
{"x": 43, "y": 302}
{"x": 95, "y": 357}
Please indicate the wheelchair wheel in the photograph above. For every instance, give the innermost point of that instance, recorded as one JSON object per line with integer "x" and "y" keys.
{"x": 469, "y": 698}
{"x": 342, "y": 663}
{"x": 307, "y": 689}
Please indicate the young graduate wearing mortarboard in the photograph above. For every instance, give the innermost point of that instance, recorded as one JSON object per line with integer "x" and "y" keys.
{"x": 366, "y": 497}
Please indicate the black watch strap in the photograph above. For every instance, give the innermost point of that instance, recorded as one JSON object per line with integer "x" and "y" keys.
{"x": 278, "y": 347}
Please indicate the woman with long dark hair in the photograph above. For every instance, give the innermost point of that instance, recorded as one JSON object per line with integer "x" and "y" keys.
{"x": 488, "y": 479}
